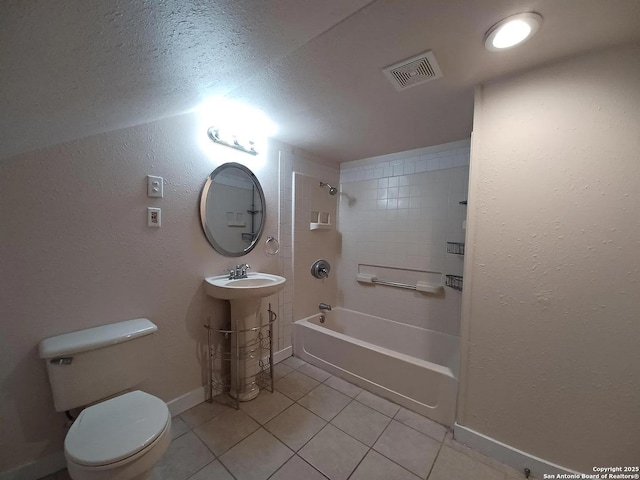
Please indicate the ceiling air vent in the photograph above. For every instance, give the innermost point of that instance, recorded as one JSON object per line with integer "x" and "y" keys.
{"x": 413, "y": 71}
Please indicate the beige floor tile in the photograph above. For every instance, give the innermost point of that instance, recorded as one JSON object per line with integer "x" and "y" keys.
{"x": 266, "y": 406}
{"x": 324, "y": 401}
{"x": 201, "y": 413}
{"x": 452, "y": 464}
{"x": 256, "y": 457}
{"x": 378, "y": 403}
{"x": 297, "y": 469}
{"x": 491, "y": 462}
{"x": 519, "y": 476}
{"x": 61, "y": 475}
{"x": 185, "y": 456}
{"x": 334, "y": 453}
{"x": 314, "y": 372}
{"x": 408, "y": 448}
{"x": 178, "y": 427}
{"x": 349, "y": 389}
{"x": 422, "y": 424}
{"x": 294, "y": 362}
{"x": 295, "y": 426}
{"x": 280, "y": 370}
{"x": 361, "y": 422}
{"x": 377, "y": 467}
{"x": 224, "y": 431}
{"x": 296, "y": 385}
{"x": 513, "y": 474}
{"x": 214, "y": 471}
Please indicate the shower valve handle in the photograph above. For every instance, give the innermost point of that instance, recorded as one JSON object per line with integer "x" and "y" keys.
{"x": 320, "y": 269}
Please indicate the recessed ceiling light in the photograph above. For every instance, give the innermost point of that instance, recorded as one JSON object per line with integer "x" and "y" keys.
{"x": 512, "y": 31}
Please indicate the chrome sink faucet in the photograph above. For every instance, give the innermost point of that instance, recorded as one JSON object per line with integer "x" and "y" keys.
{"x": 239, "y": 272}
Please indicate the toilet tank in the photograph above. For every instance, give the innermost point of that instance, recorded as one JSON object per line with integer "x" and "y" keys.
{"x": 89, "y": 365}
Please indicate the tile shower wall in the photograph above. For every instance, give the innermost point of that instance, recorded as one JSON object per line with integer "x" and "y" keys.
{"x": 311, "y": 245}
{"x": 294, "y": 160}
{"x": 396, "y": 215}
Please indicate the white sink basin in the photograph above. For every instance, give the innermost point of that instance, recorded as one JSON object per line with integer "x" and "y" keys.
{"x": 256, "y": 285}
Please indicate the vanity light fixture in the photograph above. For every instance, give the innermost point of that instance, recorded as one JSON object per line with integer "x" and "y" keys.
{"x": 512, "y": 31}
{"x": 230, "y": 140}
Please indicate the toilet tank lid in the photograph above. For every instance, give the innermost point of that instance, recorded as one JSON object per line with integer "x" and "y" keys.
{"x": 97, "y": 337}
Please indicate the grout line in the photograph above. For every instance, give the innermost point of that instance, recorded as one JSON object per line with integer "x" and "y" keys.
{"x": 302, "y": 458}
{"x": 395, "y": 414}
{"x": 375, "y": 409}
{"x": 328, "y": 422}
{"x": 200, "y": 469}
{"x": 393, "y": 461}
{"x": 244, "y": 438}
{"x": 331, "y": 376}
{"x": 369, "y": 448}
{"x": 374, "y": 442}
{"x": 314, "y": 435}
{"x": 295, "y": 454}
{"x": 434, "y": 461}
{"x": 361, "y": 460}
{"x": 483, "y": 459}
{"x": 228, "y": 471}
{"x": 415, "y": 429}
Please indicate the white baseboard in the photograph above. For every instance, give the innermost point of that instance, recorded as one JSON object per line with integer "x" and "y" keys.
{"x": 186, "y": 401}
{"x": 507, "y": 454}
{"x": 282, "y": 354}
{"x": 55, "y": 462}
{"x": 42, "y": 467}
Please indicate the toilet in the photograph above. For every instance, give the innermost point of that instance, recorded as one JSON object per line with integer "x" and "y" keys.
{"x": 122, "y": 432}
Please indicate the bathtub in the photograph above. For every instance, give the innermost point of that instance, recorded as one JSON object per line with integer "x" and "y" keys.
{"x": 411, "y": 366}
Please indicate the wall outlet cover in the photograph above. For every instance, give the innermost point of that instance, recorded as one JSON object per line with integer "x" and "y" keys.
{"x": 154, "y": 217}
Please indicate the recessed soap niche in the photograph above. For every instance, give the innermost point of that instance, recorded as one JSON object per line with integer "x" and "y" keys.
{"x": 320, "y": 220}
{"x": 236, "y": 219}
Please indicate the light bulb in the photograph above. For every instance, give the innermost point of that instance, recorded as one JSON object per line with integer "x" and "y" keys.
{"x": 511, "y": 34}
{"x": 512, "y": 31}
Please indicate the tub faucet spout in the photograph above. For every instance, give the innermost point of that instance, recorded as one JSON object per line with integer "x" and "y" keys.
{"x": 324, "y": 306}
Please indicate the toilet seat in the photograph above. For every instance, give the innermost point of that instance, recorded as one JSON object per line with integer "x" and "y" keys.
{"x": 117, "y": 429}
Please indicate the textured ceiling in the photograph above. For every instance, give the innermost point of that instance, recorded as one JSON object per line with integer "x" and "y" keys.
{"x": 78, "y": 67}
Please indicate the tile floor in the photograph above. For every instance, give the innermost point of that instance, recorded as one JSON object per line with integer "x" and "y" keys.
{"x": 313, "y": 427}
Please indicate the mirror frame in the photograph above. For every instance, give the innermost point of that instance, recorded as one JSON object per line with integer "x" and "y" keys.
{"x": 203, "y": 209}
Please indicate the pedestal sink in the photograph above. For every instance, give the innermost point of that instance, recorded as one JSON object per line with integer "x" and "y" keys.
{"x": 245, "y": 296}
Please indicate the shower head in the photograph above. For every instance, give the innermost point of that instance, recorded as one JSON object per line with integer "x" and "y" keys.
{"x": 332, "y": 190}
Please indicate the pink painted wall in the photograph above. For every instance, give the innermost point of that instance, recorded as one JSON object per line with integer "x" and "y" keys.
{"x": 75, "y": 252}
{"x": 550, "y": 329}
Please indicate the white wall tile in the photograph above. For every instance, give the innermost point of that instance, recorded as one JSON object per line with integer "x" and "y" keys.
{"x": 404, "y": 220}
{"x": 455, "y": 154}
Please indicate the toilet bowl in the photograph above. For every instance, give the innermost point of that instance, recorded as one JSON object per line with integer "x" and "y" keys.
{"x": 120, "y": 436}
{"x": 118, "y": 439}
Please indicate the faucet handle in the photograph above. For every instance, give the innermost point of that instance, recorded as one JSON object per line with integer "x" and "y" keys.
{"x": 231, "y": 272}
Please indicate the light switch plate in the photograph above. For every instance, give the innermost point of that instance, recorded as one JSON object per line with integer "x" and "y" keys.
{"x": 154, "y": 186}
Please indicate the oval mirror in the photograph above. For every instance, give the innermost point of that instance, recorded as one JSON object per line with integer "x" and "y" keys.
{"x": 232, "y": 209}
